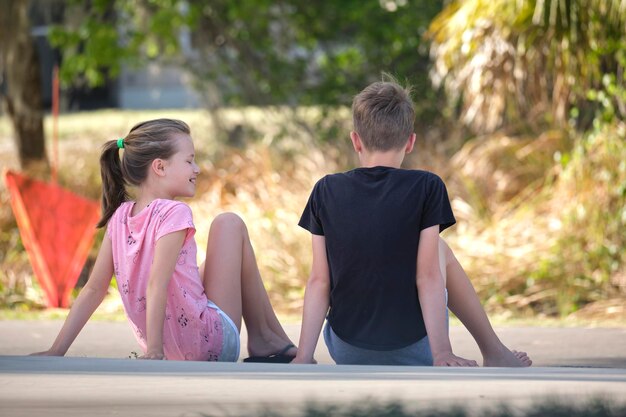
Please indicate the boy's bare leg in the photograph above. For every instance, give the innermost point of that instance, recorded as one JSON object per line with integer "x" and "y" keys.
{"x": 464, "y": 303}
{"x": 232, "y": 280}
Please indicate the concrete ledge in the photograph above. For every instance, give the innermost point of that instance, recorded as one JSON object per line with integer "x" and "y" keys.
{"x": 97, "y": 386}
{"x": 107, "y": 366}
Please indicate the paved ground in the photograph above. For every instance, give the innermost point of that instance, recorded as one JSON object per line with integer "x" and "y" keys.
{"x": 548, "y": 346}
{"x": 573, "y": 365}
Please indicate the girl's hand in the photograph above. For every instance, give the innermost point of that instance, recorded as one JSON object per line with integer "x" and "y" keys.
{"x": 155, "y": 356}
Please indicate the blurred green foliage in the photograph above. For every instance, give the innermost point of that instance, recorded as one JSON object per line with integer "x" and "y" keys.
{"x": 539, "y": 193}
{"x": 255, "y": 52}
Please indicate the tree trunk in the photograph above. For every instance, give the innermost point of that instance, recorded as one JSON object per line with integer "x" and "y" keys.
{"x": 22, "y": 98}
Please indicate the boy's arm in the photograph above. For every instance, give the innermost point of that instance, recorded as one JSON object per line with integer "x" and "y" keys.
{"x": 165, "y": 256}
{"x": 87, "y": 301}
{"x": 431, "y": 293}
{"x": 316, "y": 302}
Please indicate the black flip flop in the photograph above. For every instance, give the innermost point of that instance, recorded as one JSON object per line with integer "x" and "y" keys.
{"x": 278, "y": 357}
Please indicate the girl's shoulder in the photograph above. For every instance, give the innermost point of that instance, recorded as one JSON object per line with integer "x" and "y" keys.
{"x": 171, "y": 208}
{"x": 157, "y": 209}
{"x": 119, "y": 219}
{"x": 124, "y": 209}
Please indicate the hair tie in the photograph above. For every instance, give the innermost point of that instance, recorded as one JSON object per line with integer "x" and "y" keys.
{"x": 120, "y": 143}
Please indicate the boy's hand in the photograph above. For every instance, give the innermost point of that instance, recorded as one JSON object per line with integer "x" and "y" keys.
{"x": 157, "y": 356}
{"x": 304, "y": 360}
{"x": 450, "y": 359}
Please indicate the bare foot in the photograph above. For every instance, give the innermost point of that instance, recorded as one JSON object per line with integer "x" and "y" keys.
{"x": 523, "y": 358}
{"x": 507, "y": 358}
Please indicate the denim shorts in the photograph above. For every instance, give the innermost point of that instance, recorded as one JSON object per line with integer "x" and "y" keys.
{"x": 230, "y": 342}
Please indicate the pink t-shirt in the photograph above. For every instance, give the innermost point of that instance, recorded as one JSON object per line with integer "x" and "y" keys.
{"x": 192, "y": 330}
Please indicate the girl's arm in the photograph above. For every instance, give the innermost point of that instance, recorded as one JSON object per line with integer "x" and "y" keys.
{"x": 87, "y": 301}
{"x": 431, "y": 293}
{"x": 165, "y": 256}
{"x": 316, "y": 301}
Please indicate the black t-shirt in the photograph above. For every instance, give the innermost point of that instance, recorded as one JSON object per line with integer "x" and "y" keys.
{"x": 371, "y": 219}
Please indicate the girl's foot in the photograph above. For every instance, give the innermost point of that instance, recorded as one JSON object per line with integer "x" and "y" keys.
{"x": 277, "y": 346}
{"x": 284, "y": 355}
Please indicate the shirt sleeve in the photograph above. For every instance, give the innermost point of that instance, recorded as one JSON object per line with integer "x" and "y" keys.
{"x": 437, "y": 208}
{"x": 310, "y": 219}
{"x": 174, "y": 218}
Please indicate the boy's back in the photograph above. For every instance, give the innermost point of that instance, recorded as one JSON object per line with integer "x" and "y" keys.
{"x": 371, "y": 219}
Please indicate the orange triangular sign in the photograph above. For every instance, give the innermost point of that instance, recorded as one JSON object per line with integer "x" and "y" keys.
{"x": 57, "y": 228}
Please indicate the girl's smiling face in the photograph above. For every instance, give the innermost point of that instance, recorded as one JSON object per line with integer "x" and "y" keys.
{"x": 181, "y": 168}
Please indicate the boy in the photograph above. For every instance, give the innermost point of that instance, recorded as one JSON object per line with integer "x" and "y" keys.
{"x": 379, "y": 267}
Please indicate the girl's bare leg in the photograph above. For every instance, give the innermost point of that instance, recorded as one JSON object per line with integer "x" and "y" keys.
{"x": 232, "y": 280}
{"x": 464, "y": 303}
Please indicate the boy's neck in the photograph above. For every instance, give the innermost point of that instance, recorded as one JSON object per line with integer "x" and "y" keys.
{"x": 392, "y": 159}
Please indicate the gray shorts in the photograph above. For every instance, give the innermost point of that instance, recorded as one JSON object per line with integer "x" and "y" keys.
{"x": 417, "y": 354}
{"x": 230, "y": 343}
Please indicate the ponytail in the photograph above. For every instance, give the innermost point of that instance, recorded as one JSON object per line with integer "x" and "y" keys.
{"x": 113, "y": 184}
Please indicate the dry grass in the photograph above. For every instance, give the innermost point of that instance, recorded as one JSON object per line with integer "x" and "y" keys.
{"x": 540, "y": 235}
{"x": 555, "y": 244}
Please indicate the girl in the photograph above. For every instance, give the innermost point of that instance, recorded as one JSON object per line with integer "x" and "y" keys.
{"x": 177, "y": 310}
